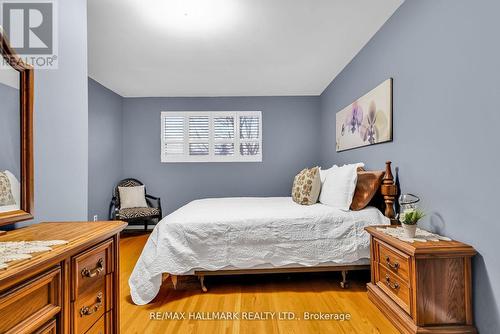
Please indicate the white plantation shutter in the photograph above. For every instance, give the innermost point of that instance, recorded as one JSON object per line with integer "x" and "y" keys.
{"x": 193, "y": 136}
{"x": 224, "y": 135}
{"x": 224, "y": 127}
{"x": 199, "y": 131}
{"x": 173, "y": 135}
{"x": 249, "y": 135}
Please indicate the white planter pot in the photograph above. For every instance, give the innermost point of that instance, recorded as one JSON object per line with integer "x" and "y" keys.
{"x": 409, "y": 230}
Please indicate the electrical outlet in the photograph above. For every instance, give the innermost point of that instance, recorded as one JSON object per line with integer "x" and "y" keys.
{"x": 96, "y": 218}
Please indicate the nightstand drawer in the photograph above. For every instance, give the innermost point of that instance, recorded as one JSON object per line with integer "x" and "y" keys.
{"x": 397, "y": 289}
{"x": 395, "y": 261}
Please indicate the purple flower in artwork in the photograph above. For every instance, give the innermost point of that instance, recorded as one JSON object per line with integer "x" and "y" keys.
{"x": 369, "y": 130}
{"x": 355, "y": 118}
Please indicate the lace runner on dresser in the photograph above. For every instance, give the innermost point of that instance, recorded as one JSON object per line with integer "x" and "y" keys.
{"x": 22, "y": 250}
{"x": 421, "y": 235}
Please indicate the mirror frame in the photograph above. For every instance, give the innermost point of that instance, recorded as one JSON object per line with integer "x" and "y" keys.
{"x": 26, "y": 88}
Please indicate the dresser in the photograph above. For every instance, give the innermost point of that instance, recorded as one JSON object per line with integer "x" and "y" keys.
{"x": 422, "y": 287}
{"x": 72, "y": 289}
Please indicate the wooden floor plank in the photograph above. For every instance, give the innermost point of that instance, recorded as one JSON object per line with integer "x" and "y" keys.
{"x": 297, "y": 293}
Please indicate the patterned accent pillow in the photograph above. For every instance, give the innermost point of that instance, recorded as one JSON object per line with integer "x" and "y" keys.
{"x": 306, "y": 186}
{"x": 6, "y": 197}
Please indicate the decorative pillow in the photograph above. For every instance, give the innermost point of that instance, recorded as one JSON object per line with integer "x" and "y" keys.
{"x": 366, "y": 187}
{"x": 306, "y": 186}
{"x": 6, "y": 197}
{"x": 15, "y": 187}
{"x": 338, "y": 188}
{"x": 132, "y": 197}
{"x": 324, "y": 172}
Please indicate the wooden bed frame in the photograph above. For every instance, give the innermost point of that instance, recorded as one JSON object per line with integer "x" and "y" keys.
{"x": 384, "y": 201}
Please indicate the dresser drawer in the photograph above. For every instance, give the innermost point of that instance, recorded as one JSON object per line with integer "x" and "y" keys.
{"x": 91, "y": 266}
{"x": 397, "y": 289}
{"x": 102, "y": 326}
{"x": 31, "y": 304}
{"x": 395, "y": 261}
{"x": 92, "y": 304}
{"x": 49, "y": 328}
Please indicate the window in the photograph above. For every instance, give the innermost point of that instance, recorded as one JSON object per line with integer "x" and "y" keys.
{"x": 211, "y": 136}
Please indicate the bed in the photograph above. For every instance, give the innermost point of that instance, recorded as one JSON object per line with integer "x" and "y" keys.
{"x": 222, "y": 236}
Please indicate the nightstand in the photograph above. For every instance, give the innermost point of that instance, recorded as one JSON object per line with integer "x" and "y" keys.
{"x": 422, "y": 287}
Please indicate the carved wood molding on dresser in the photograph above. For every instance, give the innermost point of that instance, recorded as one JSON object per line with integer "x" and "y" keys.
{"x": 422, "y": 287}
{"x": 72, "y": 289}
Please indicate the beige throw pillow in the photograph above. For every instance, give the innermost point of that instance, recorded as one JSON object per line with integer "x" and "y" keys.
{"x": 132, "y": 197}
{"x": 6, "y": 197}
{"x": 307, "y": 186}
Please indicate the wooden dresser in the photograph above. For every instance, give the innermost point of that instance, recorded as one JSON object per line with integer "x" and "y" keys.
{"x": 422, "y": 287}
{"x": 72, "y": 289}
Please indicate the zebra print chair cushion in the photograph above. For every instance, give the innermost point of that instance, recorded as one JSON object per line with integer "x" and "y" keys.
{"x": 131, "y": 213}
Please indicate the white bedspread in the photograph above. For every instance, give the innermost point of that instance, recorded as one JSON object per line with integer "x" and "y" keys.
{"x": 212, "y": 234}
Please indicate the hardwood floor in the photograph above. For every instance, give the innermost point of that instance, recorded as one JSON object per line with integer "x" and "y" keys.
{"x": 297, "y": 293}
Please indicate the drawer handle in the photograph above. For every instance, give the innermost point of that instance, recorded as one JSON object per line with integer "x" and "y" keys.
{"x": 394, "y": 266}
{"x": 88, "y": 310}
{"x": 99, "y": 267}
{"x": 393, "y": 286}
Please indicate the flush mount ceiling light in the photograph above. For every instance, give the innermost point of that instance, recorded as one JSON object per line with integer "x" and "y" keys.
{"x": 190, "y": 16}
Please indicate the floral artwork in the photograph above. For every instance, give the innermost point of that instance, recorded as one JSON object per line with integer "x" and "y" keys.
{"x": 367, "y": 121}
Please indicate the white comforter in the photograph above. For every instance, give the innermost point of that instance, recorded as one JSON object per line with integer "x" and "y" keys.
{"x": 211, "y": 234}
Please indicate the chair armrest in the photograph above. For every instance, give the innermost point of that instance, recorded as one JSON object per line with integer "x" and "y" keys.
{"x": 154, "y": 202}
{"x": 152, "y": 197}
{"x": 113, "y": 208}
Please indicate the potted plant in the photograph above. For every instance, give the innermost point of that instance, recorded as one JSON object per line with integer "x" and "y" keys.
{"x": 409, "y": 220}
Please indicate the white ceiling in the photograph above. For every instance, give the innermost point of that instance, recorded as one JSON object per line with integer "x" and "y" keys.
{"x": 227, "y": 47}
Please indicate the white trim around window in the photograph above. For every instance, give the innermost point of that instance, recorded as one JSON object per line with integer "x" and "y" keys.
{"x": 211, "y": 136}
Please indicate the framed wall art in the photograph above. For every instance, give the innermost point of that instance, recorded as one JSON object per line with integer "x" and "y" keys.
{"x": 367, "y": 121}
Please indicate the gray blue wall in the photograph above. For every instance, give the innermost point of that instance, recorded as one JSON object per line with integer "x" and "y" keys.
{"x": 105, "y": 147}
{"x": 290, "y": 143}
{"x": 10, "y": 130}
{"x": 444, "y": 57}
{"x": 60, "y": 129}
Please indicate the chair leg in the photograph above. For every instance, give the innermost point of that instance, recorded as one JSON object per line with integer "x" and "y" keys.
{"x": 145, "y": 225}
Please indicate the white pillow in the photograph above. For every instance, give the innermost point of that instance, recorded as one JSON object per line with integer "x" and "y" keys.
{"x": 132, "y": 197}
{"x": 324, "y": 172}
{"x": 339, "y": 186}
{"x": 15, "y": 187}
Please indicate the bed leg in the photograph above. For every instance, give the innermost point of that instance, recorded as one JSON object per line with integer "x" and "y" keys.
{"x": 344, "y": 284}
{"x": 174, "y": 281}
{"x": 202, "y": 283}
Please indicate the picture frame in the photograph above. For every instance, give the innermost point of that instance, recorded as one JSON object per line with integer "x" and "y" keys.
{"x": 367, "y": 121}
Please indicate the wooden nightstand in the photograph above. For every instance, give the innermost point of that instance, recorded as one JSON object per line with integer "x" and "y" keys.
{"x": 422, "y": 287}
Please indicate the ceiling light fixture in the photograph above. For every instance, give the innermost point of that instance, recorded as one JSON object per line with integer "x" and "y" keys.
{"x": 190, "y": 16}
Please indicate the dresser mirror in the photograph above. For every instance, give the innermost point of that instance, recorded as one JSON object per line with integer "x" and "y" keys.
{"x": 16, "y": 136}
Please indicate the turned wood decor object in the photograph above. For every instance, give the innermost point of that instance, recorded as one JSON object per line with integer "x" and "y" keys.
{"x": 72, "y": 289}
{"x": 389, "y": 191}
{"x": 422, "y": 287}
